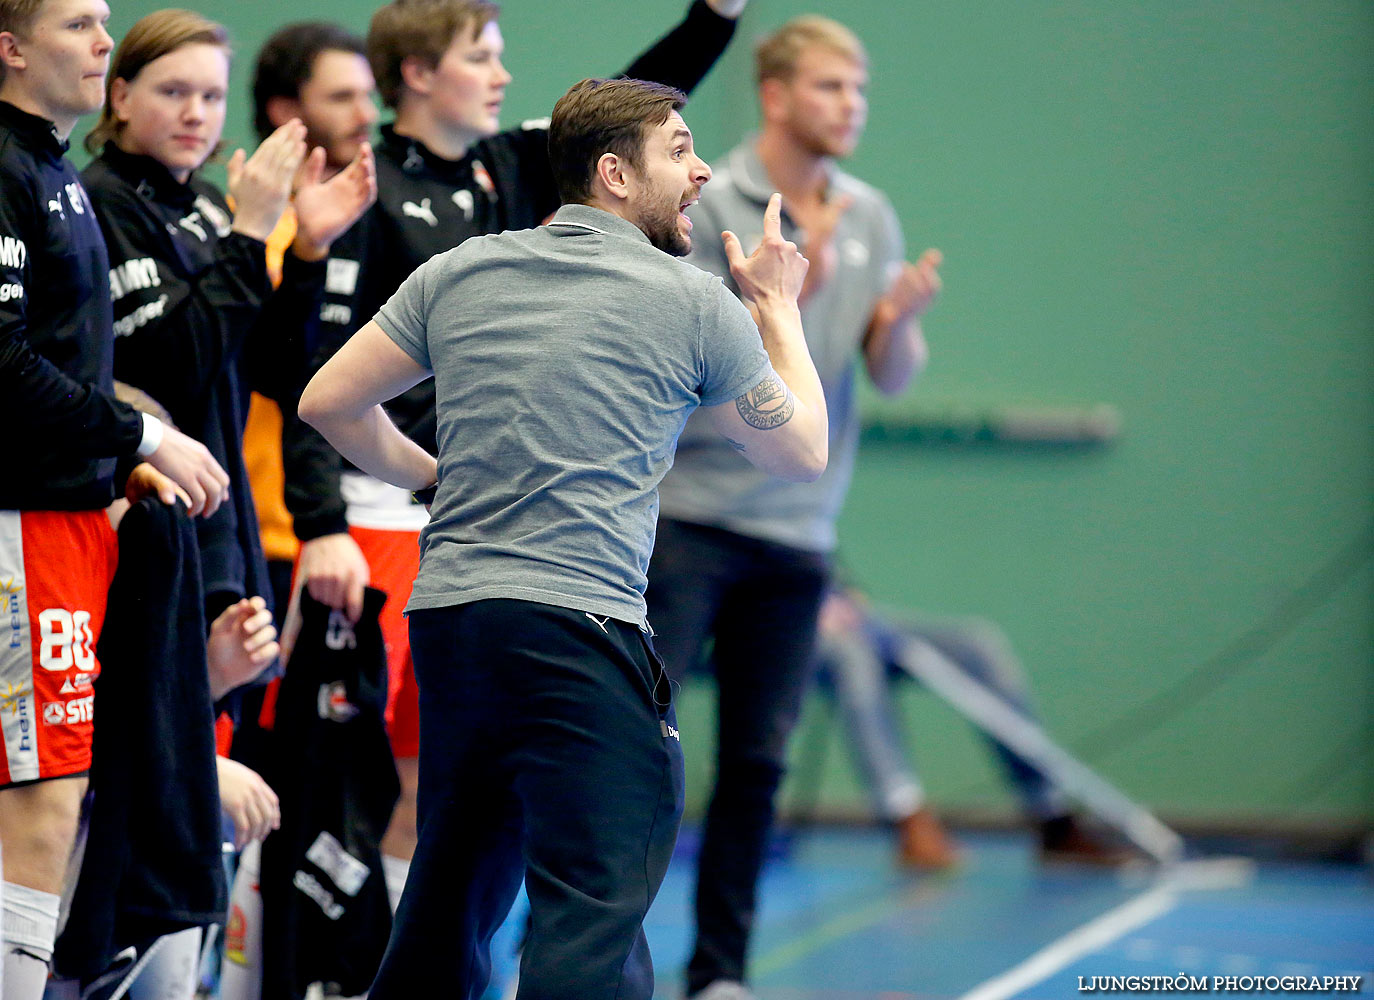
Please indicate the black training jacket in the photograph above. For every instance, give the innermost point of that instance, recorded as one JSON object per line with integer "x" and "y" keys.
{"x": 428, "y": 205}
{"x": 62, "y": 426}
{"x": 197, "y": 326}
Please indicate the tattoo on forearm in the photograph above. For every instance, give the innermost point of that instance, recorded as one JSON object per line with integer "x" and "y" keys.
{"x": 769, "y": 404}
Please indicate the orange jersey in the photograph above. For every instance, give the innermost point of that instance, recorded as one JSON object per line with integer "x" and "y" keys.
{"x": 262, "y": 455}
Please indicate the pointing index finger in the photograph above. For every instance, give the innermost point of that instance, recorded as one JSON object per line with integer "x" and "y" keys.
{"x": 772, "y": 217}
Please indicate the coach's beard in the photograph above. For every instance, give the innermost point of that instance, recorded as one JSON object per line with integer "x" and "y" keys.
{"x": 661, "y": 225}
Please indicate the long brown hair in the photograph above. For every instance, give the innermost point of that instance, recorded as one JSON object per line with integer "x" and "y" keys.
{"x": 151, "y": 37}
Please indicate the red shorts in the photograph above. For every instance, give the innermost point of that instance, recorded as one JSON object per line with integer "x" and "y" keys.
{"x": 55, "y": 573}
{"x": 393, "y": 557}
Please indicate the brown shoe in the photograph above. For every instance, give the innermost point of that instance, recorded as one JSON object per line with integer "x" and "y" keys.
{"x": 1064, "y": 839}
{"x": 922, "y": 843}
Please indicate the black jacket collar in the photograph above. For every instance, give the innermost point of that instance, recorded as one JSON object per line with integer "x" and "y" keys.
{"x": 415, "y": 157}
{"x": 151, "y": 178}
{"x": 37, "y": 133}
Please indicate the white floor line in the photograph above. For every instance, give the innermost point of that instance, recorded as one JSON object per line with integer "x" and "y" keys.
{"x": 1213, "y": 873}
{"x": 1222, "y": 872}
{"x": 1072, "y": 946}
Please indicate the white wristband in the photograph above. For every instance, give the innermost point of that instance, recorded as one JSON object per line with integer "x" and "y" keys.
{"x": 152, "y": 436}
{"x": 728, "y": 8}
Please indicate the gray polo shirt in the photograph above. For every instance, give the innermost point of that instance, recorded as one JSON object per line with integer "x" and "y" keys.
{"x": 710, "y": 482}
{"x": 566, "y": 359}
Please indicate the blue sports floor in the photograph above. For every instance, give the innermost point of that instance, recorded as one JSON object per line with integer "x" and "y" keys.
{"x": 839, "y": 922}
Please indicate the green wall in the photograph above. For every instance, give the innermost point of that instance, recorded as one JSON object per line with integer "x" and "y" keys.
{"x": 1163, "y": 206}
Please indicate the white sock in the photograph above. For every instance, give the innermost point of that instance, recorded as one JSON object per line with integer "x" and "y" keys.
{"x": 394, "y": 870}
{"x": 29, "y": 931}
{"x": 173, "y": 972}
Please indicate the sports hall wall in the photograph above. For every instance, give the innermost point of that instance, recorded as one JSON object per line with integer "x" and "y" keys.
{"x": 1166, "y": 207}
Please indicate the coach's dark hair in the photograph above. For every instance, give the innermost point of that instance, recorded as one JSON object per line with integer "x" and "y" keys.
{"x": 287, "y": 60}
{"x": 596, "y": 117}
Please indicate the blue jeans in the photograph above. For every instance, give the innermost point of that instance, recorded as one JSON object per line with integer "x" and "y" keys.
{"x": 864, "y": 664}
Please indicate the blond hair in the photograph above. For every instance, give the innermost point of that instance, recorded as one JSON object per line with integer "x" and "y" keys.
{"x": 775, "y": 56}
{"x": 16, "y": 17}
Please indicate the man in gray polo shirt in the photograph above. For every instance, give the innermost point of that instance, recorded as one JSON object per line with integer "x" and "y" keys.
{"x": 742, "y": 557}
{"x": 566, "y": 360}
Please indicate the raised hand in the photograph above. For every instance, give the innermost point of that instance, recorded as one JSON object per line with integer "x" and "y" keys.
{"x": 326, "y": 209}
{"x": 774, "y": 272}
{"x": 727, "y": 8}
{"x": 916, "y": 286}
{"x": 260, "y": 185}
{"x": 819, "y": 230}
